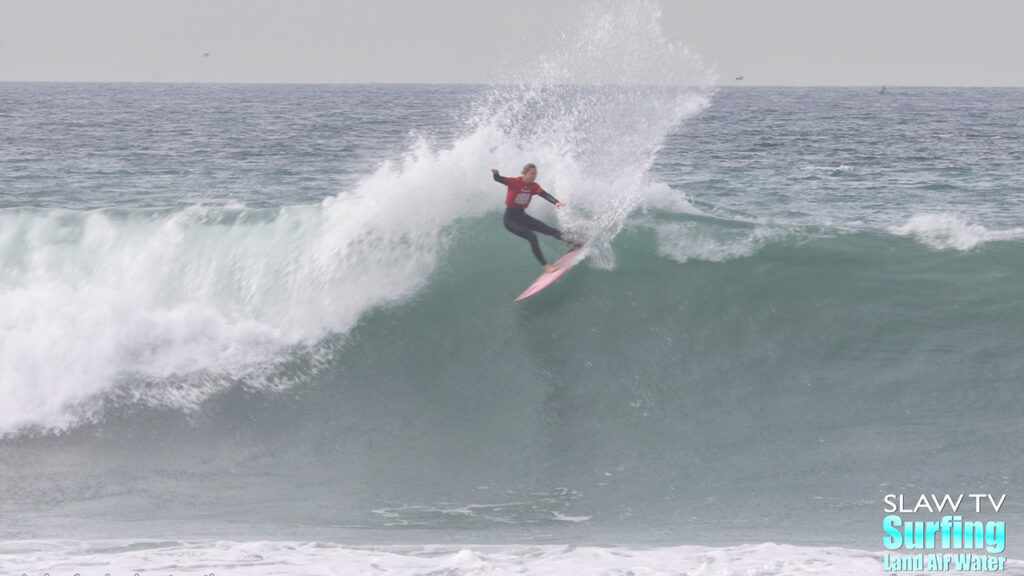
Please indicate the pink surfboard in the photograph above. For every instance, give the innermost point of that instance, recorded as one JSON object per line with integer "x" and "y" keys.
{"x": 563, "y": 264}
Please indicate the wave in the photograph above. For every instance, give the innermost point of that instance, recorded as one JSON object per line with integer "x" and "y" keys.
{"x": 170, "y": 307}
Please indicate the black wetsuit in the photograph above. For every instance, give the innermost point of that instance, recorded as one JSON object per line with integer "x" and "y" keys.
{"x": 518, "y": 222}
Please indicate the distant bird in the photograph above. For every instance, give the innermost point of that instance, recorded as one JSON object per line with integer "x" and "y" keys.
{"x": 206, "y": 54}
{"x": 738, "y": 78}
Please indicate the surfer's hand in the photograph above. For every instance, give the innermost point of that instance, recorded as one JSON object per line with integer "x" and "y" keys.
{"x": 495, "y": 170}
{"x": 559, "y": 204}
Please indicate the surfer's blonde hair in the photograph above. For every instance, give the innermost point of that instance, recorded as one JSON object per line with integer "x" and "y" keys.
{"x": 528, "y": 167}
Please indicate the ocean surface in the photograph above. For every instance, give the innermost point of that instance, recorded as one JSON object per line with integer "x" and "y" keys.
{"x": 270, "y": 329}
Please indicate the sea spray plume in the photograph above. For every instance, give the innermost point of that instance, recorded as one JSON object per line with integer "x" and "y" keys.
{"x": 594, "y": 111}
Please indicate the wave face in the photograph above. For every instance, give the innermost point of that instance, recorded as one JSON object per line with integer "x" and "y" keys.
{"x": 795, "y": 300}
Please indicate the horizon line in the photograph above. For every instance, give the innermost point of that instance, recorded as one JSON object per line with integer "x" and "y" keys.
{"x": 414, "y": 83}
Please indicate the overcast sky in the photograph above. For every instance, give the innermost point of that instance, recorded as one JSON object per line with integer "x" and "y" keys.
{"x": 773, "y": 42}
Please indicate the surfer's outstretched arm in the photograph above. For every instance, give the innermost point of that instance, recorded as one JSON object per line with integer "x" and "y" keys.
{"x": 498, "y": 177}
{"x": 551, "y": 199}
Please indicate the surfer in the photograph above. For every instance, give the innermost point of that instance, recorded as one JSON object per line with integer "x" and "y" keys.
{"x": 520, "y": 191}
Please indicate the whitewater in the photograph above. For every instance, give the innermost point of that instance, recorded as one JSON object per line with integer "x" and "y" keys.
{"x": 270, "y": 329}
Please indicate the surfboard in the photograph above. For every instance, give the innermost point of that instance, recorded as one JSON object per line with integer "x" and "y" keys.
{"x": 546, "y": 279}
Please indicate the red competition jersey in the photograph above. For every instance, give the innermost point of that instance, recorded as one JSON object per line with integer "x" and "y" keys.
{"x": 520, "y": 193}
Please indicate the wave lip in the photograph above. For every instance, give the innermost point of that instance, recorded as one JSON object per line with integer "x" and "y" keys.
{"x": 944, "y": 231}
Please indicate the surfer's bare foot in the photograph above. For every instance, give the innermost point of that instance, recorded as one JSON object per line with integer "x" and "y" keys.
{"x": 548, "y": 268}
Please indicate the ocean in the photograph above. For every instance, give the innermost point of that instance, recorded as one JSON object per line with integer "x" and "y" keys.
{"x": 269, "y": 329}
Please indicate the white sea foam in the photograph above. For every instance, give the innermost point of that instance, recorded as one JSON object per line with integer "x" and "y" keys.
{"x": 310, "y": 558}
{"x": 684, "y": 241}
{"x": 945, "y": 231}
{"x": 90, "y": 301}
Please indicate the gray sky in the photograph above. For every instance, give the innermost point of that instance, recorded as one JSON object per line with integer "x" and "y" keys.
{"x": 774, "y": 42}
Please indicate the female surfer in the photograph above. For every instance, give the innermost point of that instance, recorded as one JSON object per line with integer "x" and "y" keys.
{"x": 520, "y": 191}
